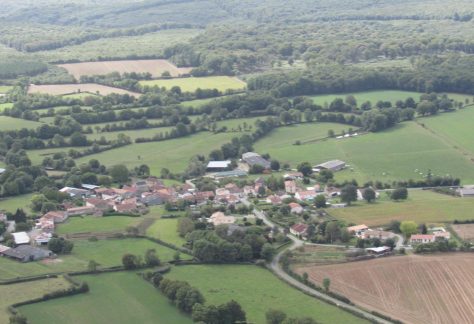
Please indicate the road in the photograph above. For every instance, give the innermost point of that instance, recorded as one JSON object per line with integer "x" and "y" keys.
{"x": 278, "y": 271}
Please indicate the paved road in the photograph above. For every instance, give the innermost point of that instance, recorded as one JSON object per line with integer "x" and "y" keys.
{"x": 278, "y": 271}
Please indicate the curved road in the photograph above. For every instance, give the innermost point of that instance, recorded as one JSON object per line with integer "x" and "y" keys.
{"x": 277, "y": 270}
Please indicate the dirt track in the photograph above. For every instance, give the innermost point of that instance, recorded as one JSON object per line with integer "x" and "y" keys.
{"x": 414, "y": 289}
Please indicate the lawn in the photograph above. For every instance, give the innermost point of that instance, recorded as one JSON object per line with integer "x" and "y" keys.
{"x": 422, "y": 207}
{"x": 97, "y": 224}
{"x": 11, "y": 294}
{"x": 221, "y": 83}
{"x": 173, "y": 154}
{"x": 13, "y": 203}
{"x": 400, "y": 153}
{"x": 382, "y": 95}
{"x": 113, "y": 298}
{"x": 257, "y": 290}
{"x": 10, "y": 123}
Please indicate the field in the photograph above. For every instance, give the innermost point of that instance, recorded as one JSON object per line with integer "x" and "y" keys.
{"x": 422, "y": 207}
{"x": 166, "y": 229}
{"x": 464, "y": 231}
{"x": 382, "y": 95}
{"x": 172, "y": 154}
{"x": 37, "y": 156}
{"x": 10, "y": 123}
{"x": 113, "y": 298}
{"x": 5, "y": 105}
{"x": 81, "y": 95}
{"x": 319, "y": 254}
{"x": 257, "y": 290}
{"x": 221, "y": 83}
{"x": 5, "y": 89}
{"x": 414, "y": 289}
{"x": 96, "y": 224}
{"x": 154, "y": 67}
{"x": 91, "y": 88}
{"x": 385, "y": 156}
{"x": 13, "y": 203}
{"x": 11, "y": 294}
{"x": 133, "y": 134}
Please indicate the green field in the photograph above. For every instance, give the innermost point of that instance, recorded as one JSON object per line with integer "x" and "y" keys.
{"x": 3, "y": 106}
{"x": 37, "y": 156}
{"x": 5, "y": 89}
{"x": 400, "y": 153}
{"x": 11, "y": 294}
{"x": 10, "y": 123}
{"x": 422, "y": 207}
{"x": 121, "y": 297}
{"x": 173, "y": 154}
{"x": 257, "y": 290}
{"x": 13, "y": 203}
{"x": 166, "y": 229}
{"x": 96, "y": 224}
{"x": 61, "y": 108}
{"x": 133, "y": 134}
{"x": 221, "y": 83}
{"x": 233, "y": 124}
{"x": 382, "y": 95}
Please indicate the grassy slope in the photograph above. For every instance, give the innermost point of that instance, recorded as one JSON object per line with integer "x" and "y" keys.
{"x": 220, "y": 83}
{"x": 97, "y": 224}
{"x": 113, "y": 298}
{"x": 166, "y": 229}
{"x": 421, "y": 206}
{"x": 13, "y": 203}
{"x": 37, "y": 156}
{"x": 134, "y": 134}
{"x": 257, "y": 290}
{"x": 393, "y": 154}
{"x": 9, "y": 123}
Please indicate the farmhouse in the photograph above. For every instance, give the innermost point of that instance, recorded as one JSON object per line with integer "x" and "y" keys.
{"x": 218, "y": 166}
{"x": 295, "y": 208}
{"x": 358, "y": 230}
{"x": 56, "y": 216}
{"x": 102, "y": 205}
{"x": 252, "y": 159}
{"x": 299, "y": 229}
{"x": 219, "y": 218}
{"x": 372, "y": 234}
{"x": 305, "y": 195}
{"x": 333, "y": 165}
{"x": 422, "y": 238}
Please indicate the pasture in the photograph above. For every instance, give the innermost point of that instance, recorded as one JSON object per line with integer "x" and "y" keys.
{"x": 133, "y": 134}
{"x": 3, "y": 106}
{"x": 122, "y": 297}
{"x": 221, "y": 83}
{"x": 166, "y": 229}
{"x": 11, "y": 294}
{"x": 91, "y": 224}
{"x": 10, "y": 123}
{"x": 386, "y": 156}
{"x": 154, "y": 67}
{"x": 257, "y": 290}
{"x": 90, "y": 88}
{"x": 37, "y": 156}
{"x": 464, "y": 231}
{"x": 173, "y": 154}
{"x": 11, "y": 204}
{"x": 422, "y": 206}
{"x": 436, "y": 288}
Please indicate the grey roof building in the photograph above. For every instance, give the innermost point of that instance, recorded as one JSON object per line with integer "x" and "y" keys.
{"x": 27, "y": 253}
{"x": 252, "y": 159}
{"x": 333, "y": 165}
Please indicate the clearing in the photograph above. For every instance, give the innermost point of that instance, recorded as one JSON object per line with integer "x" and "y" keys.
{"x": 422, "y": 206}
{"x": 257, "y": 290}
{"x": 431, "y": 289}
{"x": 73, "y": 88}
{"x": 221, "y": 83}
{"x": 464, "y": 231}
{"x": 122, "y": 297}
{"x": 154, "y": 67}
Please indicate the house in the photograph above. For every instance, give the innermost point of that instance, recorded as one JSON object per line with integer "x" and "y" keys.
{"x": 105, "y": 193}
{"x": 21, "y": 238}
{"x": 42, "y": 238}
{"x": 75, "y": 192}
{"x": 372, "y": 234}
{"x": 151, "y": 199}
{"x": 77, "y": 211}
{"x": 45, "y": 225}
{"x": 218, "y": 166}
{"x": 219, "y": 218}
{"x": 299, "y": 229}
{"x": 466, "y": 191}
{"x": 442, "y": 235}
{"x": 274, "y": 200}
{"x": 99, "y": 204}
{"x": 378, "y": 250}
{"x": 56, "y": 216}
{"x": 422, "y": 238}
{"x": 27, "y": 253}
{"x": 296, "y": 208}
{"x": 252, "y": 159}
{"x": 293, "y": 176}
{"x": 358, "y": 230}
{"x": 305, "y": 195}
{"x": 290, "y": 186}
{"x": 126, "y": 208}
{"x": 233, "y": 189}
{"x": 203, "y": 196}
{"x": 333, "y": 165}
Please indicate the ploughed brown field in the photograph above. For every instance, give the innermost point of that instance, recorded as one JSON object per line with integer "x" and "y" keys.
{"x": 62, "y": 89}
{"x": 464, "y": 231}
{"x": 414, "y": 289}
{"x": 154, "y": 67}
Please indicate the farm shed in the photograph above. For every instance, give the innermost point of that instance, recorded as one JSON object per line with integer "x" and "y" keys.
{"x": 252, "y": 159}
{"x": 27, "y": 253}
{"x": 215, "y": 166}
{"x": 21, "y": 238}
{"x": 333, "y": 165}
{"x": 378, "y": 250}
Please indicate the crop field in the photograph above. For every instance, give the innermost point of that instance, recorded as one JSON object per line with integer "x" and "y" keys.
{"x": 422, "y": 206}
{"x": 11, "y": 204}
{"x": 10, "y": 123}
{"x": 173, "y": 154}
{"x": 96, "y": 224}
{"x": 154, "y": 67}
{"x": 11, "y": 294}
{"x": 62, "y": 89}
{"x": 257, "y": 290}
{"x": 385, "y": 156}
{"x": 81, "y": 95}
{"x": 464, "y": 231}
{"x": 122, "y": 297}
{"x": 382, "y": 95}
{"x": 221, "y": 83}
{"x": 437, "y": 288}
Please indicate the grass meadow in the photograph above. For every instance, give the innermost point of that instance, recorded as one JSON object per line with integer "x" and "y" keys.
{"x": 10, "y": 123}
{"x": 3, "y": 106}
{"x": 422, "y": 206}
{"x": 11, "y": 204}
{"x": 221, "y": 83}
{"x": 133, "y": 134}
{"x": 166, "y": 229}
{"x": 257, "y": 290}
{"x": 122, "y": 297}
{"x": 96, "y": 224}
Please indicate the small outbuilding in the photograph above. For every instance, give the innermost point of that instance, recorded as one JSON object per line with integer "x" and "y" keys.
{"x": 217, "y": 166}
{"x": 333, "y": 165}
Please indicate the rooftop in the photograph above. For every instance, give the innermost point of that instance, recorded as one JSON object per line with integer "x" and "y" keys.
{"x": 218, "y": 164}
{"x": 331, "y": 164}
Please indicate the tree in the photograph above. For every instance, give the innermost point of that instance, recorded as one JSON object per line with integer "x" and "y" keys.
{"x": 268, "y": 252}
{"x": 274, "y": 316}
{"x": 185, "y": 226}
{"x": 320, "y": 201}
{"x": 408, "y": 228}
{"x": 423, "y": 229}
{"x": 326, "y": 284}
{"x": 349, "y": 194}
{"x": 231, "y": 312}
{"x": 119, "y": 173}
{"x": 60, "y": 245}
{"x": 399, "y": 194}
{"x": 369, "y": 194}
{"x": 151, "y": 259}
{"x": 305, "y": 168}
{"x": 275, "y": 165}
{"x": 130, "y": 261}
{"x": 18, "y": 319}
